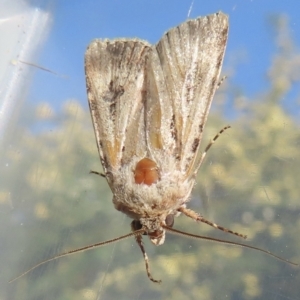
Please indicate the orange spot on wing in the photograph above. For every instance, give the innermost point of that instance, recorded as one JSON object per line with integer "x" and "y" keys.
{"x": 146, "y": 172}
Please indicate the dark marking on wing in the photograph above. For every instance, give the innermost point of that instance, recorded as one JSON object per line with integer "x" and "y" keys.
{"x": 195, "y": 145}
{"x": 173, "y": 128}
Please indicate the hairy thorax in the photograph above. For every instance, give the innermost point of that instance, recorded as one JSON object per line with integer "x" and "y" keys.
{"x": 144, "y": 190}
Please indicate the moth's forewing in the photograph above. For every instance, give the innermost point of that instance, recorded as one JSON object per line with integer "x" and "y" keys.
{"x": 115, "y": 75}
{"x": 184, "y": 69}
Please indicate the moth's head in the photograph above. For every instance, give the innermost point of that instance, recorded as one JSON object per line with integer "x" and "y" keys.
{"x": 157, "y": 237}
{"x": 154, "y": 227}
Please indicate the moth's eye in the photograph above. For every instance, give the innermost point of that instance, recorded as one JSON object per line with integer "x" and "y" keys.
{"x": 170, "y": 220}
{"x": 146, "y": 172}
{"x": 136, "y": 225}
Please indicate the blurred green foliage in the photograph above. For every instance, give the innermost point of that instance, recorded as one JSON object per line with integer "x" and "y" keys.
{"x": 249, "y": 182}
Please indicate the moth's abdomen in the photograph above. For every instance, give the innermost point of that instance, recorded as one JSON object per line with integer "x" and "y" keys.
{"x": 146, "y": 172}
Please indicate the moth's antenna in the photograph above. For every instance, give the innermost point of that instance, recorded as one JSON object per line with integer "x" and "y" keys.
{"x": 89, "y": 247}
{"x": 175, "y": 231}
{"x": 195, "y": 216}
{"x": 199, "y": 163}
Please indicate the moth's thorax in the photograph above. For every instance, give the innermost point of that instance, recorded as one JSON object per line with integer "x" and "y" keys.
{"x": 150, "y": 191}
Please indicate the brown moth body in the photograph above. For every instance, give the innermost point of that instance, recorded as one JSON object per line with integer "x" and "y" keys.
{"x": 149, "y": 105}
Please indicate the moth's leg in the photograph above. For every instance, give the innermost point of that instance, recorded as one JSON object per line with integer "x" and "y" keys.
{"x": 97, "y": 173}
{"x": 195, "y": 216}
{"x": 208, "y": 147}
{"x": 221, "y": 81}
{"x": 213, "y": 141}
{"x": 139, "y": 241}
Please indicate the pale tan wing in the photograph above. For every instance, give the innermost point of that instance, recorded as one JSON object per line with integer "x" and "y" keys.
{"x": 115, "y": 72}
{"x": 182, "y": 77}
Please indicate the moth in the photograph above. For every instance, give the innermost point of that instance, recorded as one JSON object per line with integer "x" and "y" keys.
{"x": 149, "y": 105}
